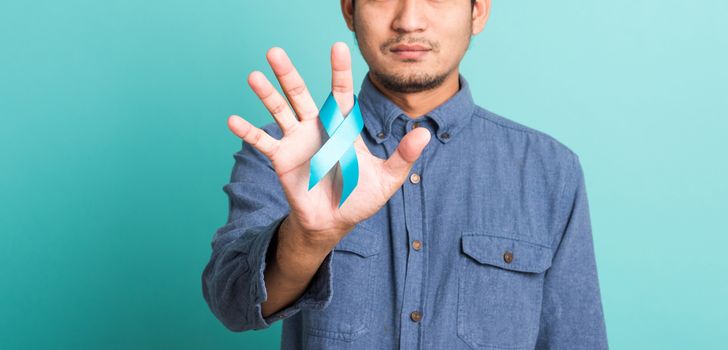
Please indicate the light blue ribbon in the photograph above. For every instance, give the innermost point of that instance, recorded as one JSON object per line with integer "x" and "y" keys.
{"x": 339, "y": 147}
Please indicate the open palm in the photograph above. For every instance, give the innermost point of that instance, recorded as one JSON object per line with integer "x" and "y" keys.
{"x": 316, "y": 212}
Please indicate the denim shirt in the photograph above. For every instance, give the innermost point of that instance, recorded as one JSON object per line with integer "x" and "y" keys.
{"x": 487, "y": 245}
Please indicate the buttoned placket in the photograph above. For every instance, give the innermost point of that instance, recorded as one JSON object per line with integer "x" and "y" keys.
{"x": 412, "y": 314}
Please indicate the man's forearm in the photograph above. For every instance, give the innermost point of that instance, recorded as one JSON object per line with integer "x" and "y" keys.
{"x": 293, "y": 263}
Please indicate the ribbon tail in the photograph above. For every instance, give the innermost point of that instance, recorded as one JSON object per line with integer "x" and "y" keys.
{"x": 349, "y": 173}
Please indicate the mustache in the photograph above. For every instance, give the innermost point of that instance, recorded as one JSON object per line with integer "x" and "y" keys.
{"x": 409, "y": 41}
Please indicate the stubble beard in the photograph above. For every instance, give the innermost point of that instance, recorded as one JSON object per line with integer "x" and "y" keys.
{"x": 409, "y": 83}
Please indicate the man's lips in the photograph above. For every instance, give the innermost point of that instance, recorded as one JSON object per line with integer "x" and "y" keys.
{"x": 403, "y": 47}
{"x": 409, "y": 51}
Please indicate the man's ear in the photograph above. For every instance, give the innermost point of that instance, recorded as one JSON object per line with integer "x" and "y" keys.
{"x": 347, "y": 9}
{"x": 481, "y": 11}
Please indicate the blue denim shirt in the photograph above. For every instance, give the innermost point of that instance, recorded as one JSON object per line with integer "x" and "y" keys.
{"x": 489, "y": 247}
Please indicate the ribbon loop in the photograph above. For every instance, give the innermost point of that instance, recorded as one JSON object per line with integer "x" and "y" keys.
{"x": 339, "y": 147}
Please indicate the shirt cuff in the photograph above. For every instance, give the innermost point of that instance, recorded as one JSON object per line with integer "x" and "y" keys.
{"x": 317, "y": 295}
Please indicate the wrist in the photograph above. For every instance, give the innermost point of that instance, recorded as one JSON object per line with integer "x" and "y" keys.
{"x": 297, "y": 258}
{"x": 310, "y": 242}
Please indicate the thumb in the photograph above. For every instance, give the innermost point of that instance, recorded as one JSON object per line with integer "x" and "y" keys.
{"x": 408, "y": 151}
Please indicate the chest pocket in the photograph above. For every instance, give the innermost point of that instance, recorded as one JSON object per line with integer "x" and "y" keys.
{"x": 500, "y": 291}
{"x": 349, "y": 314}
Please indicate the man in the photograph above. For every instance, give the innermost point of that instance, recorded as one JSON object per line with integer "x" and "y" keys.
{"x": 466, "y": 231}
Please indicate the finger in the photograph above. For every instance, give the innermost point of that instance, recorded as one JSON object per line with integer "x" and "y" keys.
{"x": 342, "y": 83}
{"x": 409, "y": 149}
{"x": 292, "y": 84}
{"x": 256, "y": 137}
{"x": 273, "y": 101}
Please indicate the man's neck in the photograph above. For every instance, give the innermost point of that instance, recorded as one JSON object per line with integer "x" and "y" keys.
{"x": 416, "y": 104}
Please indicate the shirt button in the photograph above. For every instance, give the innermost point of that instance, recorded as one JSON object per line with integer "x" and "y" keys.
{"x": 380, "y": 135}
{"x": 416, "y": 316}
{"x": 445, "y": 136}
{"x": 414, "y": 178}
{"x": 416, "y": 244}
{"x": 508, "y": 257}
{"x": 415, "y": 125}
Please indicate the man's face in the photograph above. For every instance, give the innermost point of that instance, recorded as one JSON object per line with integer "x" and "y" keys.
{"x": 388, "y": 30}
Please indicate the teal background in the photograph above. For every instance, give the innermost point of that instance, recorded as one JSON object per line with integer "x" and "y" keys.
{"x": 114, "y": 150}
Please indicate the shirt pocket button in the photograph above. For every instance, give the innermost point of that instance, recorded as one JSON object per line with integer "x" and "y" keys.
{"x": 508, "y": 257}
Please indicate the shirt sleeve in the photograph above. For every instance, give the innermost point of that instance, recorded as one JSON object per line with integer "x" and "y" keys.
{"x": 572, "y": 315}
{"x": 233, "y": 280}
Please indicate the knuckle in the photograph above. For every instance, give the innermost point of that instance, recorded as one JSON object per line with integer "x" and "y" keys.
{"x": 308, "y": 112}
{"x": 297, "y": 90}
{"x": 342, "y": 88}
{"x": 257, "y": 135}
{"x": 278, "y": 108}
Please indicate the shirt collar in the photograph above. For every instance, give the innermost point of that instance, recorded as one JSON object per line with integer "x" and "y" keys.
{"x": 379, "y": 111}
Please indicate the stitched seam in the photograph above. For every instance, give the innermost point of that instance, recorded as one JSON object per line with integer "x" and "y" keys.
{"x": 476, "y": 234}
{"x": 571, "y": 175}
{"x": 483, "y": 114}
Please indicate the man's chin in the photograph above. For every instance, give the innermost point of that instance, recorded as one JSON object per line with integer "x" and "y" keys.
{"x": 409, "y": 82}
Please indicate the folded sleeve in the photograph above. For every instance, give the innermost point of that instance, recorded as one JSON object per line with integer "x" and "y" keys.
{"x": 233, "y": 280}
{"x": 572, "y": 315}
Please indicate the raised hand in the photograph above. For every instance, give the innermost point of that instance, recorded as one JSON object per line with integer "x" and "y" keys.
{"x": 316, "y": 213}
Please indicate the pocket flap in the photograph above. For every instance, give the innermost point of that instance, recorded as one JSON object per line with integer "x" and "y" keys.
{"x": 360, "y": 241}
{"x": 507, "y": 253}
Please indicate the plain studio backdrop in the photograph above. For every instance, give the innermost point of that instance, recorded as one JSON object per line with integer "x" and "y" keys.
{"x": 114, "y": 150}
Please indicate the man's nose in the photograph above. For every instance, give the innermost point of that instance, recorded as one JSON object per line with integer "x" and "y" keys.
{"x": 410, "y": 16}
